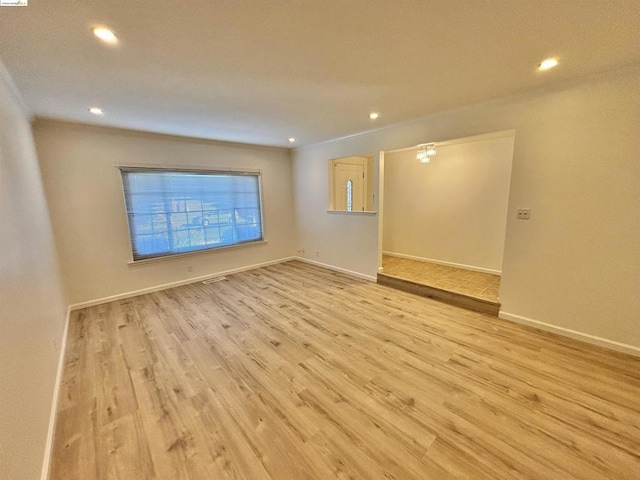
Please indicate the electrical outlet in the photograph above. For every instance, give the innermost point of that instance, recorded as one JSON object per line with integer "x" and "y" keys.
{"x": 523, "y": 213}
{"x": 189, "y": 268}
{"x": 317, "y": 254}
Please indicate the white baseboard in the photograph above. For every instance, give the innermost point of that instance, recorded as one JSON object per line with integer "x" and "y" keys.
{"x": 442, "y": 262}
{"x": 338, "y": 269}
{"x": 157, "y": 288}
{"x": 567, "y": 332}
{"x": 48, "y": 449}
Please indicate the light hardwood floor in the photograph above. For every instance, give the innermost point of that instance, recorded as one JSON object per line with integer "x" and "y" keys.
{"x": 296, "y": 372}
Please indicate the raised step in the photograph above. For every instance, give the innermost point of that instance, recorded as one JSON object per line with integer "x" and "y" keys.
{"x": 452, "y": 298}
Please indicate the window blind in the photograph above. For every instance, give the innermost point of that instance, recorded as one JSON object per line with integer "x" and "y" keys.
{"x": 173, "y": 211}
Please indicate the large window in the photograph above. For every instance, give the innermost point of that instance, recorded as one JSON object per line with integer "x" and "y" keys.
{"x": 173, "y": 211}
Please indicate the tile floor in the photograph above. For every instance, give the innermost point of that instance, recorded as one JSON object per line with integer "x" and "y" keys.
{"x": 475, "y": 284}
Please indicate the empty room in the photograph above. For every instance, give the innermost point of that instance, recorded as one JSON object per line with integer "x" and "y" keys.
{"x": 315, "y": 240}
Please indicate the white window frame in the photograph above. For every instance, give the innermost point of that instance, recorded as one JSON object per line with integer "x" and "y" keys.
{"x": 202, "y": 171}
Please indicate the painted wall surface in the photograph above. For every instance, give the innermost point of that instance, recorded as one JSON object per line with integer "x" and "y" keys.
{"x": 84, "y": 190}
{"x": 32, "y": 303}
{"x": 347, "y": 240}
{"x": 453, "y": 209}
{"x": 576, "y": 263}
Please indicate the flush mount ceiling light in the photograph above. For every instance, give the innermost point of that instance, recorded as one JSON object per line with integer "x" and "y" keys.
{"x": 374, "y": 115}
{"x": 547, "y": 64}
{"x": 96, "y": 111}
{"x": 425, "y": 152}
{"x": 105, "y": 35}
{"x": 292, "y": 139}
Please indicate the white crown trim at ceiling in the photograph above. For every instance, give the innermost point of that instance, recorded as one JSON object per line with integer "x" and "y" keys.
{"x": 457, "y": 141}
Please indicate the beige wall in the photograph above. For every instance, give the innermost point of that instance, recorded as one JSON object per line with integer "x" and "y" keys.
{"x": 32, "y": 303}
{"x": 85, "y": 194}
{"x": 344, "y": 240}
{"x": 576, "y": 263}
{"x": 453, "y": 209}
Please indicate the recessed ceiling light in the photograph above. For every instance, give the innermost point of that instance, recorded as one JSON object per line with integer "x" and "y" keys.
{"x": 292, "y": 139}
{"x": 374, "y": 115}
{"x": 105, "y": 34}
{"x": 96, "y": 111}
{"x": 548, "y": 63}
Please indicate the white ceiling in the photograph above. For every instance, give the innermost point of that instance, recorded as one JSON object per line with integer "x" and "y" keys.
{"x": 260, "y": 71}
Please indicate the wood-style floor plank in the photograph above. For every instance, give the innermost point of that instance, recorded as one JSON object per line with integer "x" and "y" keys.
{"x": 296, "y": 372}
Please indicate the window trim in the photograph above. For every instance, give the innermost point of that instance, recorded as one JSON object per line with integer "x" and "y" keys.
{"x": 197, "y": 170}
{"x": 163, "y": 258}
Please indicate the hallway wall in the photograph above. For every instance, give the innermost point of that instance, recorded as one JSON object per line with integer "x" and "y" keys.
{"x": 33, "y": 305}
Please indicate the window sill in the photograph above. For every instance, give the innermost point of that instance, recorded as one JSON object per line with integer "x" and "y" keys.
{"x": 358, "y": 212}
{"x": 197, "y": 252}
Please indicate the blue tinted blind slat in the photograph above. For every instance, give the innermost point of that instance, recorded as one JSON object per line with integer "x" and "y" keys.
{"x": 174, "y": 212}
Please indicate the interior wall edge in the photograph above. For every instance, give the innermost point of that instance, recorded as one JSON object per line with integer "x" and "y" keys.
{"x": 574, "y": 334}
{"x": 33, "y": 301}
{"x": 165, "y": 286}
{"x": 40, "y": 120}
{"x": 48, "y": 451}
{"x": 328, "y": 266}
{"x": 7, "y": 80}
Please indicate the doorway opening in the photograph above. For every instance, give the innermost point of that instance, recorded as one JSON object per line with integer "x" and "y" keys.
{"x": 443, "y": 222}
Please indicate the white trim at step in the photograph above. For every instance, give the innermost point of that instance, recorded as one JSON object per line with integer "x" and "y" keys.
{"x": 442, "y": 262}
